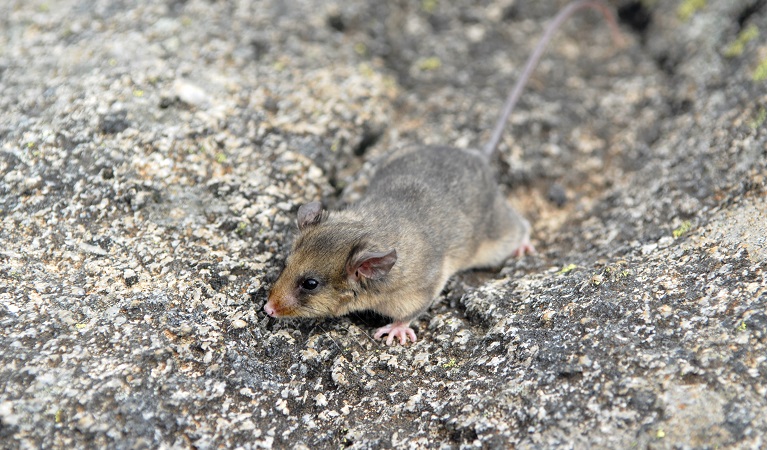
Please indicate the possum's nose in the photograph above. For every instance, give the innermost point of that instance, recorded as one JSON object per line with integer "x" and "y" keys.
{"x": 269, "y": 308}
{"x": 280, "y": 305}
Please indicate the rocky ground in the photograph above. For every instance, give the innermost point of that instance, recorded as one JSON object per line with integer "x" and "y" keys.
{"x": 153, "y": 155}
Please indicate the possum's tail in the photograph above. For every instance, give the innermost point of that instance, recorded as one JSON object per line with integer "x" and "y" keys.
{"x": 532, "y": 62}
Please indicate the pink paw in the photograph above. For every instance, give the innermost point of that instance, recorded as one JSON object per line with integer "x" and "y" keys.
{"x": 525, "y": 248}
{"x": 396, "y": 330}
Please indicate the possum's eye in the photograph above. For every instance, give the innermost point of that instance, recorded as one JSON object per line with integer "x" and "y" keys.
{"x": 310, "y": 284}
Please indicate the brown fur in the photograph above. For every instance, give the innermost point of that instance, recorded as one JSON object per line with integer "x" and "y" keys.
{"x": 438, "y": 207}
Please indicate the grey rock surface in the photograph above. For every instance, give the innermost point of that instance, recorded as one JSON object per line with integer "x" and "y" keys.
{"x": 153, "y": 155}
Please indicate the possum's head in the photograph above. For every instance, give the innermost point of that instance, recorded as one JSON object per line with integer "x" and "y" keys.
{"x": 330, "y": 264}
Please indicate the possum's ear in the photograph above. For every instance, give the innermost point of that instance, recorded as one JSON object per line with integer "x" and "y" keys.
{"x": 372, "y": 265}
{"x": 309, "y": 214}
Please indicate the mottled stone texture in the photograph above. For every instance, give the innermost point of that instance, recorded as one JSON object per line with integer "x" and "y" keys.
{"x": 153, "y": 155}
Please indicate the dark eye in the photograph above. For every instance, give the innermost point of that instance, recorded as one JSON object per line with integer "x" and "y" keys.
{"x": 310, "y": 284}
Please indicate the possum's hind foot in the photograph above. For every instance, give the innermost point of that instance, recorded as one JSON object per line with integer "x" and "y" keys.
{"x": 525, "y": 248}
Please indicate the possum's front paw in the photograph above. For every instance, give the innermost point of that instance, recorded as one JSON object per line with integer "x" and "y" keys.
{"x": 396, "y": 330}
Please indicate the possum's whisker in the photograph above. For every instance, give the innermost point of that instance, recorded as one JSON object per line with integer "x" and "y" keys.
{"x": 368, "y": 336}
{"x": 328, "y": 334}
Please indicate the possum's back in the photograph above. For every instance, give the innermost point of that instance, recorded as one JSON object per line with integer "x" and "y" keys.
{"x": 444, "y": 194}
